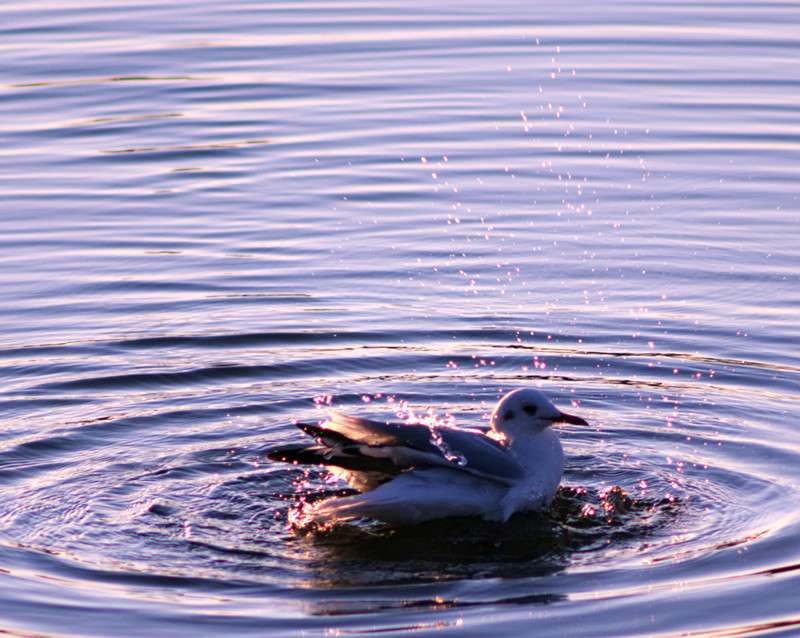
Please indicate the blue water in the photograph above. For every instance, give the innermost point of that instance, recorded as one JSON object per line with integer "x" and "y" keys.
{"x": 215, "y": 217}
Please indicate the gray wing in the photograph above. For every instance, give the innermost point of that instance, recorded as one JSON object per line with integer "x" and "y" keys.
{"x": 407, "y": 446}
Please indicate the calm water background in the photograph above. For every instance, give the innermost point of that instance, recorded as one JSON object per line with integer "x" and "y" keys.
{"x": 213, "y": 214}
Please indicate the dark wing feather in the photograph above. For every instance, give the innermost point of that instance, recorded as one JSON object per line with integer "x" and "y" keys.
{"x": 348, "y": 459}
{"x": 366, "y": 445}
{"x": 476, "y": 453}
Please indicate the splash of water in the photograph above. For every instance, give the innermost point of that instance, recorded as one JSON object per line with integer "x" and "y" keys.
{"x": 451, "y": 455}
{"x": 434, "y": 424}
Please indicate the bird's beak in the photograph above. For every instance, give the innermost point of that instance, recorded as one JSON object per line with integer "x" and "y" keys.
{"x": 569, "y": 418}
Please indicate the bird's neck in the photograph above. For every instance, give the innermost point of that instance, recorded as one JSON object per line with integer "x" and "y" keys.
{"x": 537, "y": 451}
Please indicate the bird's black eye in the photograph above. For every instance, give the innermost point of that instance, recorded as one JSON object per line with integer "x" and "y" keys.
{"x": 530, "y": 409}
{"x": 509, "y": 415}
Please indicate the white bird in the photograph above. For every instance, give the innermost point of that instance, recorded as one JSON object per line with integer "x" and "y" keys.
{"x": 410, "y": 473}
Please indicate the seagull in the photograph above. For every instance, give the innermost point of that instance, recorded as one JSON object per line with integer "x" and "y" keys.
{"x": 411, "y": 473}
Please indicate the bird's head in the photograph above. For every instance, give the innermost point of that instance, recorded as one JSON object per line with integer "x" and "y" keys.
{"x": 527, "y": 411}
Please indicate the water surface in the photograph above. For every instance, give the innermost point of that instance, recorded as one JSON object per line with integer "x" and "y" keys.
{"x": 216, "y": 219}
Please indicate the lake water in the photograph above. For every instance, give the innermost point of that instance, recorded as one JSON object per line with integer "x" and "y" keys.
{"x": 217, "y": 217}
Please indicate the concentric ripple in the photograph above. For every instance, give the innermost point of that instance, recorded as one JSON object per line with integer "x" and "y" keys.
{"x": 666, "y": 476}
